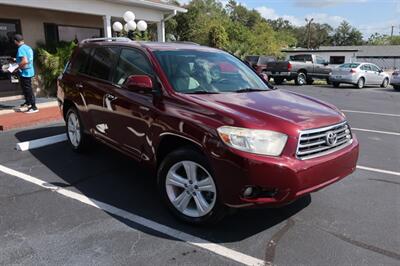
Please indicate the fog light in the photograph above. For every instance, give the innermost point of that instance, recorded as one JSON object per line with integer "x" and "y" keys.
{"x": 248, "y": 192}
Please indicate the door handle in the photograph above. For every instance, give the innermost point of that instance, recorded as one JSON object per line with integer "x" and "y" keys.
{"x": 110, "y": 97}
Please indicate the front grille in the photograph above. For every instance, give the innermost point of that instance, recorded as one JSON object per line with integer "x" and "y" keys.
{"x": 321, "y": 141}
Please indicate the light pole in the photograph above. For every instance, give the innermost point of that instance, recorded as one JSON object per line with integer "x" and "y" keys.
{"x": 309, "y": 31}
{"x": 130, "y": 25}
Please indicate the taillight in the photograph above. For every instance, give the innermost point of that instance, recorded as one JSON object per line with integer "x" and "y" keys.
{"x": 289, "y": 67}
{"x": 353, "y": 71}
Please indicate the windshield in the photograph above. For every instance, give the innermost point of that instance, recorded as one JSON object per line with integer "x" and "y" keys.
{"x": 191, "y": 71}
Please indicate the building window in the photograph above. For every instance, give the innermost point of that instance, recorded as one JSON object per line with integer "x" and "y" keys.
{"x": 8, "y": 28}
{"x": 337, "y": 60}
{"x": 56, "y": 33}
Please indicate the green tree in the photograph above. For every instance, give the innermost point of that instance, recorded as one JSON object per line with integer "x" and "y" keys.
{"x": 383, "y": 39}
{"x": 345, "y": 34}
{"x": 217, "y": 37}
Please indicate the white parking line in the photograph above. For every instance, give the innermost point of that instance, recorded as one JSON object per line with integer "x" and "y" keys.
{"x": 190, "y": 239}
{"x": 38, "y": 143}
{"x": 370, "y": 113}
{"x": 376, "y": 131}
{"x": 377, "y": 170}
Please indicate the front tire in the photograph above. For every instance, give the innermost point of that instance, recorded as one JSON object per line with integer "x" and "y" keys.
{"x": 301, "y": 79}
{"x": 396, "y": 87}
{"x": 336, "y": 84}
{"x": 75, "y": 132}
{"x": 187, "y": 186}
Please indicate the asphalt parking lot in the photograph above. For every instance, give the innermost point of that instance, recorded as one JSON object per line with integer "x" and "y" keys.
{"x": 58, "y": 207}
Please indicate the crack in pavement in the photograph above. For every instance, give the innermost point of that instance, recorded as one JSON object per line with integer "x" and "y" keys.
{"x": 271, "y": 246}
{"x": 354, "y": 242}
{"x": 384, "y": 181}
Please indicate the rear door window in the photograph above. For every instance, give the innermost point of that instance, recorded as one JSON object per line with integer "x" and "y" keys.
{"x": 103, "y": 62}
{"x": 131, "y": 62}
{"x": 374, "y": 68}
{"x": 366, "y": 68}
{"x": 79, "y": 65}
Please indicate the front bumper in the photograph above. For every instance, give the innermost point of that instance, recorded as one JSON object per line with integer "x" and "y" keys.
{"x": 290, "y": 177}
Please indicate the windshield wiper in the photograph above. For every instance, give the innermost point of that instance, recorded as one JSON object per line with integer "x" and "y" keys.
{"x": 249, "y": 90}
{"x": 202, "y": 92}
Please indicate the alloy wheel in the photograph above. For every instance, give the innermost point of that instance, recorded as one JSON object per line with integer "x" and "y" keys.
{"x": 74, "y": 129}
{"x": 191, "y": 189}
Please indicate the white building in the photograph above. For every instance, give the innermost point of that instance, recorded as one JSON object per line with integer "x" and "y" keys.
{"x": 387, "y": 57}
{"x": 49, "y": 21}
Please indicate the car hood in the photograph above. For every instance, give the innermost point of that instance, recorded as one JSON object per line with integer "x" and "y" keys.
{"x": 261, "y": 109}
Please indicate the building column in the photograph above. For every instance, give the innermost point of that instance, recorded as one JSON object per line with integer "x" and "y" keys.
{"x": 107, "y": 26}
{"x": 161, "y": 31}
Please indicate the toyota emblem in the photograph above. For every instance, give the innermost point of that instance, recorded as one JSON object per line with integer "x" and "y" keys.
{"x": 331, "y": 138}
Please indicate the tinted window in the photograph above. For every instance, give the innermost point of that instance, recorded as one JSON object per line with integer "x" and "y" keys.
{"x": 297, "y": 58}
{"x": 131, "y": 62}
{"x": 374, "y": 68}
{"x": 366, "y": 67}
{"x": 103, "y": 62}
{"x": 80, "y": 61}
{"x": 320, "y": 60}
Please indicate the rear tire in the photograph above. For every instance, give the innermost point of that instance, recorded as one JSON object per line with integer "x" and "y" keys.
{"x": 301, "y": 79}
{"x": 175, "y": 183}
{"x": 385, "y": 83}
{"x": 278, "y": 81}
{"x": 336, "y": 84}
{"x": 360, "y": 83}
{"x": 77, "y": 139}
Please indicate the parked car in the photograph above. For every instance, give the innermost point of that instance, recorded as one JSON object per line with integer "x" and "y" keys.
{"x": 259, "y": 62}
{"x": 359, "y": 74}
{"x": 205, "y": 124}
{"x": 302, "y": 68}
{"x": 395, "y": 80}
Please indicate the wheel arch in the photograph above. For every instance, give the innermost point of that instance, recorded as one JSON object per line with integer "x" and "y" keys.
{"x": 171, "y": 141}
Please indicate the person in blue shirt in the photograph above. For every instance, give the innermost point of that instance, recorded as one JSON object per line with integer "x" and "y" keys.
{"x": 26, "y": 69}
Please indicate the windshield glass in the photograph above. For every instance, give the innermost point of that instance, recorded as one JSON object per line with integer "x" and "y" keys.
{"x": 191, "y": 71}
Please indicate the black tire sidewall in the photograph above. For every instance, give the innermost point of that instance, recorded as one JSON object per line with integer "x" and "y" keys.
{"x": 188, "y": 154}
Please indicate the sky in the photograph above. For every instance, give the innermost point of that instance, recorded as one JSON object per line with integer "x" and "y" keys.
{"x": 369, "y": 16}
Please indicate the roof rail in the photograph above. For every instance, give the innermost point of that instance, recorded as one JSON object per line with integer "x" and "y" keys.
{"x": 110, "y": 39}
{"x": 184, "y": 42}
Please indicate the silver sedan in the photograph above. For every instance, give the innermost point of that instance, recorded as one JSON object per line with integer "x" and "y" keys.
{"x": 359, "y": 74}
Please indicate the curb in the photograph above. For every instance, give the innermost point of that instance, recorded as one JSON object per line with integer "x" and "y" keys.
{"x": 39, "y": 105}
{"x": 19, "y": 120}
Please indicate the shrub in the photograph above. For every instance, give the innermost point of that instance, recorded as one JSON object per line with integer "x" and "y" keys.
{"x": 51, "y": 60}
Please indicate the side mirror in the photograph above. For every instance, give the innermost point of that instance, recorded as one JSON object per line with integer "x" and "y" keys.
{"x": 139, "y": 83}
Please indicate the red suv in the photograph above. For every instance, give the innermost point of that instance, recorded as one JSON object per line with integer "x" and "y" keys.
{"x": 205, "y": 123}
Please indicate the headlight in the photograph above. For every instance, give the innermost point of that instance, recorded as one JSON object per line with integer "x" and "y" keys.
{"x": 264, "y": 142}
